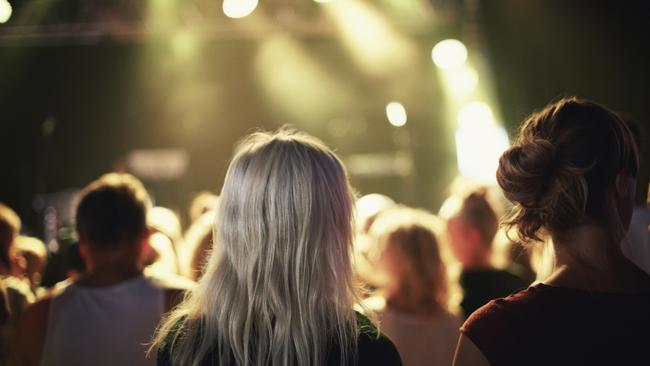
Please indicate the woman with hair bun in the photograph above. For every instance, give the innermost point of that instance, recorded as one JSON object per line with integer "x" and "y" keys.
{"x": 571, "y": 176}
{"x": 277, "y": 290}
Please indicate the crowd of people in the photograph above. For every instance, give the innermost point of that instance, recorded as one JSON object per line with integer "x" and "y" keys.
{"x": 287, "y": 267}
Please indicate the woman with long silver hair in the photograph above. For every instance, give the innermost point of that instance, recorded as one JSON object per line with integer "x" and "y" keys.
{"x": 278, "y": 289}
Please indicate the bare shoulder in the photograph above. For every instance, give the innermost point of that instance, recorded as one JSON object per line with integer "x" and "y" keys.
{"x": 30, "y": 334}
{"x": 468, "y": 354}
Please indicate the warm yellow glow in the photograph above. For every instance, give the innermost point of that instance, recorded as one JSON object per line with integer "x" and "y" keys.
{"x": 369, "y": 38}
{"x": 460, "y": 82}
{"x": 5, "y": 11}
{"x": 183, "y": 44}
{"x": 396, "y": 114}
{"x": 449, "y": 54}
{"x": 323, "y": 1}
{"x": 238, "y": 8}
{"x": 479, "y": 142}
{"x": 297, "y": 83}
{"x": 475, "y": 114}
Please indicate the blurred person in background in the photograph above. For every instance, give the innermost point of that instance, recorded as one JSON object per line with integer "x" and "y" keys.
{"x": 203, "y": 202}
{"x": 571, "y": 174}
{"x": 471, "y": 226}
{"x": 107, "y": 315}
{"x": 368, "y": 208}
{"x": 636, "y": 245}
{"x": 198, "y": 245}
{"x": 417, "y": 299}
{"x": 34, "y": 255}
{"x": 280, "y": 290}
{"x": 18, "y": 294}
{"x": 165, "y": 241}
{"x": 5, "y": 312}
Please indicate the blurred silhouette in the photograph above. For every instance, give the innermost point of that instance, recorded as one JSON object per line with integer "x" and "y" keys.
{"x": 107, "y": 315}
{"x": 417, "y": 297}
{"x": 471, "y": 225}
{"x": 16, "y": 291}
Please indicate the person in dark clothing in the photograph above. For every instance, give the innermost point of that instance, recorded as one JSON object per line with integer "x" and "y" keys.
{"x": 278, "y": 289}
{"x": 471, "y": 227}
{"x": 373, "y": 348}
{"x": 571, "y": 175}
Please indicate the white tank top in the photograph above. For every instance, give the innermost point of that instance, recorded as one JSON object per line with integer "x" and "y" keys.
{"x": 103, "y": 326}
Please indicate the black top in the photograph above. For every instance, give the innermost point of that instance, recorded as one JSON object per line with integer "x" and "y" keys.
{"x": 373, "y": 348}
{"x": 481, "y": 286}
{"x": 548, "y": 325}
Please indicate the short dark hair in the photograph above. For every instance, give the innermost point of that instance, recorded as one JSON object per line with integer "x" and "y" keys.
{"x": 112, "y": 210}
{"x": 563, "y": 165}
{"x": 9, "y": 228}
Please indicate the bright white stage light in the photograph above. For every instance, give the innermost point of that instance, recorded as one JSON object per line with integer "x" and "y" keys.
{"x": 238, "y": 8}
{"x": 449, "y": 54}
{"x": 396, "y": 114}
{"x": 5, "y": 11}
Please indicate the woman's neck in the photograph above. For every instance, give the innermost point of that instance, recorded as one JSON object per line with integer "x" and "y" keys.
{"x": 589, "y": 259}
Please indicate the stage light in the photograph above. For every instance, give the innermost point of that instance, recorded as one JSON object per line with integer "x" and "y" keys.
{"x": 479, "y": 142}
{"x": 370, "y": 38}
{"x": 475, "y": 114}
{"x": 460, "y": 82}
{"x": 296, "y": 83}
{"x": 449, "y": 54}
{"x": 396, "y": 114}
{"x": 183, "y": 44}
{"x": 5, "y": 11}
{"x": 238, "y": 8}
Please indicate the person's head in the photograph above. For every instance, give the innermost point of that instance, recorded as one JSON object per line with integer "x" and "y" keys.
{"x": 573, "y": 163}
{"x": 199, "y": 245}
{"x": 166, "y": 222}
{"x": 409, "y": 259}
{"x": 9, "y": 229}
{"x": 278, "y": 287}
{"x": 203, "y": 202}
{"x": 111, "y": 218}
{"x": 34, "y": 253}
{"x": 471, "y": 227}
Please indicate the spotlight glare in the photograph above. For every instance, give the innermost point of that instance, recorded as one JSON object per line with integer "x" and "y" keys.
{"x": 238, "y": 8}
{"x": 396, "y": 114}
{"x": 475, "y": 115}
{"x": 449, "y": 54}
{"x": 5, "y": 11}
{"x": 462, "y": 81}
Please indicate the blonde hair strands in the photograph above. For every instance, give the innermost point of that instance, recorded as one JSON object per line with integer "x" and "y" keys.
{"x": 280, "y": 290}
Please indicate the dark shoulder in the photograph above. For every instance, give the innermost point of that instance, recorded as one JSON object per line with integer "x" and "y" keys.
{"x": 30, "y": 333}
{"x": 501, "y": 310}
{"x": 496, "y": 327}
{"x": 373, "y": 346}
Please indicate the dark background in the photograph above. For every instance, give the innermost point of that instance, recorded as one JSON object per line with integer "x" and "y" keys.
{"x": 72, "y": 107}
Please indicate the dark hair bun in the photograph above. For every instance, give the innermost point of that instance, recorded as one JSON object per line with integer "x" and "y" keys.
{"x": 561, "y": 168}
{"x": 525, "y": 171}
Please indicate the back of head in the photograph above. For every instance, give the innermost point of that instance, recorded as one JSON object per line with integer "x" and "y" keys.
{"x": 477, "y": 212}
{"x": 560, "y": 171}
{"x": 407, "y": 238}
{"x": 278, "y": 287}
{"x": 112, "y": 211}
{"x": 9, "y": 229}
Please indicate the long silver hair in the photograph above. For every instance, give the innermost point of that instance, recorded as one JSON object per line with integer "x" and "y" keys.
{"x": 278, "y": 289}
